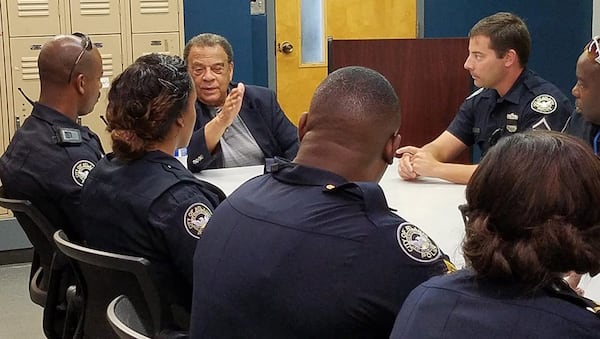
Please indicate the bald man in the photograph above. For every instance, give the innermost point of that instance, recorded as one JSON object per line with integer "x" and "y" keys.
{"x": 311, "y": 249}
{"x": 50, "y": 156}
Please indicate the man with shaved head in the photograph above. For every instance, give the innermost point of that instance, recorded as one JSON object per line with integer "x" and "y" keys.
{"x": 50, "y": 155}
{"x": 310, "y": 249}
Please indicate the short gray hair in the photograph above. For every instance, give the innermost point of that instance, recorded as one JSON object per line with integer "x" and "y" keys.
{"x": 210, "y": 40}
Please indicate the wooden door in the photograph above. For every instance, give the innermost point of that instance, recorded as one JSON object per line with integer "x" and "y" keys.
{"x": 427, "y": 74}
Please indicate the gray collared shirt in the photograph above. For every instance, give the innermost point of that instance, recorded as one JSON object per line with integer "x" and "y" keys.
{"x": 238, "y": 145}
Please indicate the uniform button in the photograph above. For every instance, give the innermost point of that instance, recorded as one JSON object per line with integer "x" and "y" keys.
{"x": 169, "y": 166}
{"x": 330, "y": 186}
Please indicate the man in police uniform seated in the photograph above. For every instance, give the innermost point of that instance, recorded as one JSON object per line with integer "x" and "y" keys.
{"x": 311, "y": 249}
{"x": 585, "y": 120}
{"x": 236, "y": 125}
{"x": 51, "y": 155}
{"x": 530, "y": 220}
{"x": 511, "y": 99}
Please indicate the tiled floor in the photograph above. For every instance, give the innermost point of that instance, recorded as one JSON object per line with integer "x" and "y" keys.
{"x": 20, "y": 317}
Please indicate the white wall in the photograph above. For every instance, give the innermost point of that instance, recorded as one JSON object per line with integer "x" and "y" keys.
{"x": 596, "y": 17}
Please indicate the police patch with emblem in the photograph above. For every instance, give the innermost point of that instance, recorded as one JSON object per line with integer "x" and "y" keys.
{"x": 81, "y": 170}
{"x": 416, "y": 244}
{"x": 195, "y": 219}
{"x": 544, "y": 103}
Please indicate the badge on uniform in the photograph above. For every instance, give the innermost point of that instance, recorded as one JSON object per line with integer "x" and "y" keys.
{"x": 80, "y": 171}
{"x": 416, "y": 244}
{"x": 544, "y": 103}
{"x": 512, "y": 120}
{"x": 195, "y": 219}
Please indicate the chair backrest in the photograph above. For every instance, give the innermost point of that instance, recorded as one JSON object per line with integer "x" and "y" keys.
{"x": 50, "y": 273}
{"x": 36, "y": 226}
{"x": 102, "y": 276}
{"x": 124, "y": 319}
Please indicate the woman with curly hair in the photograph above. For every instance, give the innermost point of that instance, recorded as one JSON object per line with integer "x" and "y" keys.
{"x": 532, "y": 216}
{"x": 140, "y": 200}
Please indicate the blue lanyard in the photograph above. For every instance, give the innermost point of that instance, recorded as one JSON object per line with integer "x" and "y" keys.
{"x": 596, "y": 142}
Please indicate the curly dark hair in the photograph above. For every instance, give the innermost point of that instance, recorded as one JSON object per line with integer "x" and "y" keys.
{"x": 533, "y": 210}
{"x": 144, "y": 101}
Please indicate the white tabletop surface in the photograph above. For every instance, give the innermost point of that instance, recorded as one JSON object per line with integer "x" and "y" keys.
{"x": 429, "y": 203}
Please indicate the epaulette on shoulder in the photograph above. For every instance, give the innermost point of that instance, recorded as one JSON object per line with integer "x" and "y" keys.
{"x": 560, "y": 289}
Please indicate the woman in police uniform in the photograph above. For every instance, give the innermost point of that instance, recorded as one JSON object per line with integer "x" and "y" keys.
{"x": 532, "y": 216}
{"x": 140, "y": 200}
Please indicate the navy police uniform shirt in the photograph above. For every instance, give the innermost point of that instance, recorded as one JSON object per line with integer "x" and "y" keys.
{"x": 531, "y": 103}
{"x": 154, "y": 208}
{"x": 302, "y": 253}
{"x": 583, "y": 129}
{"x": 459, "y": 306}
{"x": 47, "y": 162}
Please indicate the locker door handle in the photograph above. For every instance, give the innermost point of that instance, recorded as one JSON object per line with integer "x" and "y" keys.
{"x": 155, "y": 43}
{"x": 17, "y": 123}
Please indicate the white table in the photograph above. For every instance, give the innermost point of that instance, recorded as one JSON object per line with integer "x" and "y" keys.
{"x": 429, "y": 203}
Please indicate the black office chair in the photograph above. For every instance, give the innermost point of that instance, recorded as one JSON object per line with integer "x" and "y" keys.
{"x": 39, "y": 232}
{"x": 50, "y": 274}
{"x": 124, "y": 319}
{"x": 102, "y": 276}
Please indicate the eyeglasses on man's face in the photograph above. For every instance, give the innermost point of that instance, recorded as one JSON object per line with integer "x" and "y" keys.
{"x": 594, "y": 48}
{"x": 86, "y": 45}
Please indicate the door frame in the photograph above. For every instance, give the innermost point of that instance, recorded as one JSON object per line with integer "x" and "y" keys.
{"x": 271, "y": 38}
{"x": 271, "y": 59}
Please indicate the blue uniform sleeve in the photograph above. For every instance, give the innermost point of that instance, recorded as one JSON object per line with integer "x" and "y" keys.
{"x": 555, "y": 120}
{"x": 401, "y": 257}
{"x": 413, "y": 318}
{"x": 180, "y": 215}
{"x": 73, "y": 171}
{"x": 464, "y": 121}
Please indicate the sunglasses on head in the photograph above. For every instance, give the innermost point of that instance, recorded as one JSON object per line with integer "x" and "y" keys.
{"x": 464, "y": 212}
{"x": 86, "y": 45}
{"x": 594, "y": 49}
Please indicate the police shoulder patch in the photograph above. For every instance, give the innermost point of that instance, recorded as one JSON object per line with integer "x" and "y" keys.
{"x": 195, "y": 219}
{"x": 544, "y": 103}
{"x": 80, "y": 171}
{"x": 416, "y": 244}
